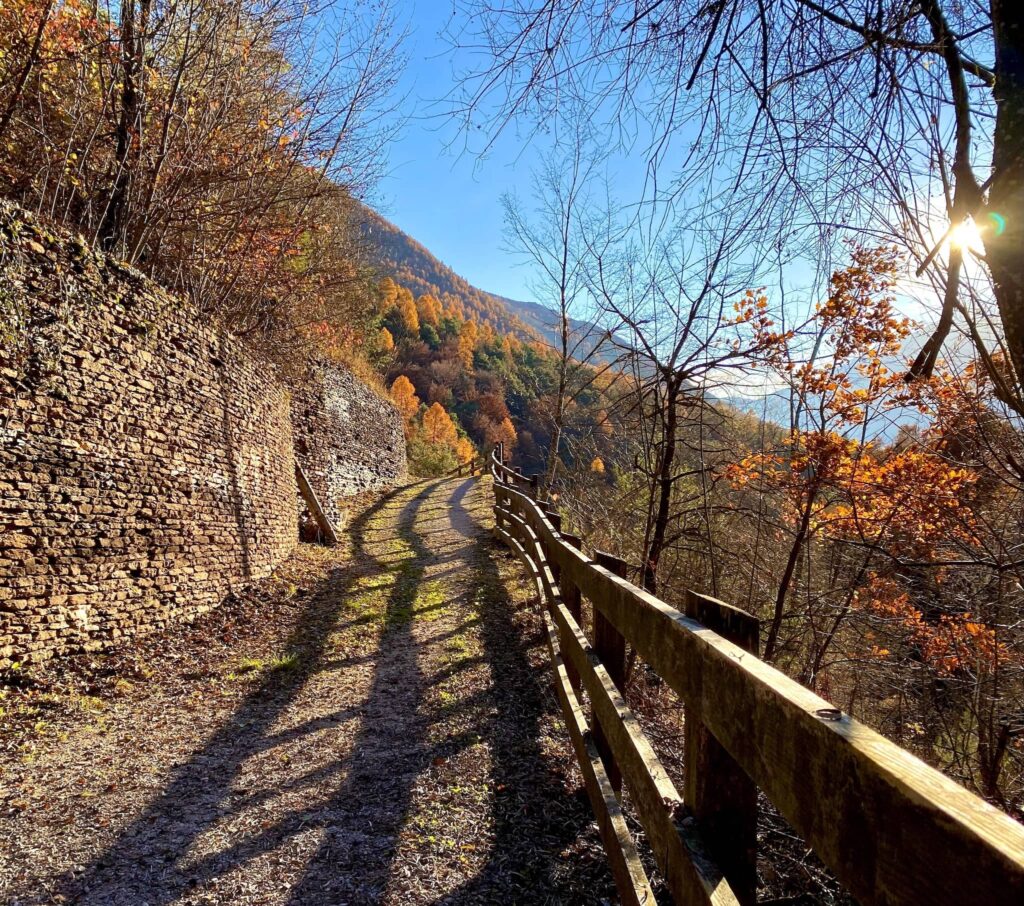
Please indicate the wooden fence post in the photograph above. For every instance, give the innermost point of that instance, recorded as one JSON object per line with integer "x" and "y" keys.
{"x": 611, "y": 649}
{"x": 719, "y": 794}
{"x": 556, "y": 521}
{"x": 499, "y": 506}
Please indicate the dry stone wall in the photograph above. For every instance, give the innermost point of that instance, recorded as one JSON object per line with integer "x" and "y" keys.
{"x": 347, "y": 439}
{"x": 147, "y": 462}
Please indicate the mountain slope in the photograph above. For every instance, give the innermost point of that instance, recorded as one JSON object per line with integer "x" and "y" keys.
{"x": 586, "y": 342}
{"x": 399, "y": 256}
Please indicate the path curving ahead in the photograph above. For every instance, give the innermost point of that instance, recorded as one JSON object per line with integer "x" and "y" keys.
{"x": 388, "y": 737}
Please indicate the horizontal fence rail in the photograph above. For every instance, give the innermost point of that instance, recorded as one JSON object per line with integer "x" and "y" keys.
{"x": 474, "y": 467}
{"x": 890, "y": 828}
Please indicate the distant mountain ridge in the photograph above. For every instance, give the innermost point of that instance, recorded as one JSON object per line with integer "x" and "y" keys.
{"x": 407, "y": 262}
{"x": 584, "y": 336}
{"x": 410, "y": 264}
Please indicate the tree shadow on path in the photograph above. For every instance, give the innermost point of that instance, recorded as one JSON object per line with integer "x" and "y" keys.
{"x": 147, "y": 862}
{"x": 341, "y": 815}
{"x": 535, "y": 819}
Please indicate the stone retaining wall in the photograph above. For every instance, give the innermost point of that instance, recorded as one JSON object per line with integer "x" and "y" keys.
{"x": 347, "y": 439}
{"x": 147, "y": 462}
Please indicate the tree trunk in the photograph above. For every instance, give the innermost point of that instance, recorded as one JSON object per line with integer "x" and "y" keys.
{"x": 787, "y": 576}
{"x": 556, "y": 443}
{"x": 1004, "y": 247}
{"x": 664, "y": 490}
{"x": 563, "y": 381}
{"x": 129, "y": 124}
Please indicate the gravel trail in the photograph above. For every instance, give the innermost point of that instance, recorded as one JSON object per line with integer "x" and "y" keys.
{"x": 373, "y": 725}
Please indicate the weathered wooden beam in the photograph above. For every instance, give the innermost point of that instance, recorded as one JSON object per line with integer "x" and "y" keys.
{"x": 611, "y": 648}
{"x": 573, "y": 603}
{"x": 534, "y": 548}
{"x": 892, "y": 829}
{"x": 627, "y": 870}
{"x": 572, "y": 540}
{"x": 688, "y": 869}
{"x": 719, "y": 794}
{"x": 316, "y": 511}
{"x": 556, "y": 523}
{"x": 630, "y": 878}
{"x": 504, "y": 535}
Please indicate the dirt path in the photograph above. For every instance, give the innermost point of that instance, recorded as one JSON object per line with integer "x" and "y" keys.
{"x": 379, "y": 729}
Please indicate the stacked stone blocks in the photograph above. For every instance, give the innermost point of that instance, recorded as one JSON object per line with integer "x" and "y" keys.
{"x": 147, "y": 459}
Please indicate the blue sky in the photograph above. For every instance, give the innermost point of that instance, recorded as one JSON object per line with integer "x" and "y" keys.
{"x": 441, "y": 192}
{"x": 445, "y": 195}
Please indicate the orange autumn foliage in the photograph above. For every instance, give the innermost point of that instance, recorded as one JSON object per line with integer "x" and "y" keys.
{"x": 855, "y": 490}
{"x": 836, "y": 484}
{"x": 438, "y": 427}
{"x": 408, "y": 315}
{"x": 428, "y": 309}
{"x": 467, "y": 343}
{"x": 205, "y": 177}
{"x": 506, "y": 434}
{"x": 403, "y": 394}
{"x": 947, "y": 643}
{"x": 464, "y": 450}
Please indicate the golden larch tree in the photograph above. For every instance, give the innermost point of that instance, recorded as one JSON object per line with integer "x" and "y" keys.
{"x": 429, "y": 309}
{"x": 407, "y": 314}
{"x": 464, "y": 450}
{"x": 403, "y": 394}
{"x": 388, "y": 290}
{"x": 438, "y": 427}
{"x": 467, "y": 343}
{"x": 506, "y": 434}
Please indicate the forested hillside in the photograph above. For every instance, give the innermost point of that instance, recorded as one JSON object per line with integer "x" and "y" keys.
{"x": 401, "y": 257}
{"x": 392, "y": 251}
{"x": 462, "y": 385}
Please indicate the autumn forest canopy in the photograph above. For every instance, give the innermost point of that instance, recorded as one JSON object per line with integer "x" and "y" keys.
{"x": 780, "y": 248}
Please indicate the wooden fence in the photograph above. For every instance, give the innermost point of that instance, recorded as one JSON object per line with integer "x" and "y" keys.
{"x": 473, "y": 467}
{"x": 890, "y": 828}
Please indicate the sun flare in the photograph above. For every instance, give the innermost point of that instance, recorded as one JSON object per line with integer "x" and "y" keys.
{"x": 966, "y": 235}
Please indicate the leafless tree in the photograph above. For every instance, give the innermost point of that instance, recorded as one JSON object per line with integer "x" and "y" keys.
{"x": 673, "y": 298}
{"x": 553, "y": 239}
{"x": 896, "y": 118}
